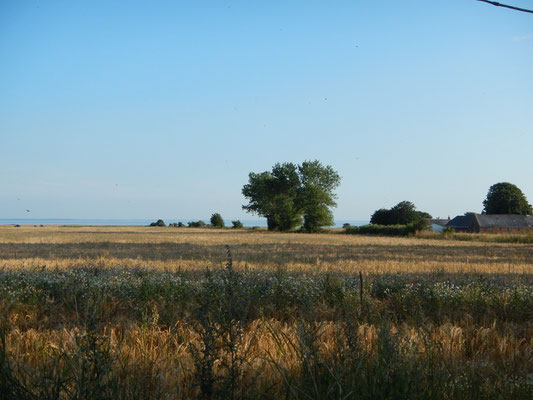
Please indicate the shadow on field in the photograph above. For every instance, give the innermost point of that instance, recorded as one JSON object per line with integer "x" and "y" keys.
{"x": 270, "y": 253}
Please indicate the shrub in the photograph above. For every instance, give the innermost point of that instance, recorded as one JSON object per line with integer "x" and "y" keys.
{"x": 387, "y": 230}
{"x": 196, "y": 224}
{"x": 237, "y": 224}
{"x": 217, "y": 221}
{"x": 159, "y": 222}
{"x": 402, "y": 213}
{"x": 448, "y": 231}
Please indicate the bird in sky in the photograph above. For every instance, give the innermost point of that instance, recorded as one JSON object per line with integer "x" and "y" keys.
{"x": 27, "y": 210}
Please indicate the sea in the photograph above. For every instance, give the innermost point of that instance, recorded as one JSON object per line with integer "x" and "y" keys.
{"x": 141, "y": 222}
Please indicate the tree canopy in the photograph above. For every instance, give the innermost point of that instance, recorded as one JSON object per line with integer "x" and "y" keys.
{"x": 506, "y": 198}
{"x": 217, "y": 221}
{"x": 293, "y": 195}
{"x": 402, "y": 213}
{"x": 159, "y": 222}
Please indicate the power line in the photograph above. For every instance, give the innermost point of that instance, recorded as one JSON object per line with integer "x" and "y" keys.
{"x": 495, "y": 3}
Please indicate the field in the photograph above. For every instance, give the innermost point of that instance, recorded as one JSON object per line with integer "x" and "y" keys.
{"x": 149, "y": 313}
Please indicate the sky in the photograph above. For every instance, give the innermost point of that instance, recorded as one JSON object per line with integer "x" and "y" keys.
{"x": 161, "y": 109}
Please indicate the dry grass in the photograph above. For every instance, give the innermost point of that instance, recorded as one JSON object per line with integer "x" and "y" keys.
{"x": 161, "y": 354}
{"x": 362, "y": 340}
{"x": 194, "y": 248}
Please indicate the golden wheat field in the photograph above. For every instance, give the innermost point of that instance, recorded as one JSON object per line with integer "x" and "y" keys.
{"x": 196, "y": 248}
{"x": 139, "y": 312}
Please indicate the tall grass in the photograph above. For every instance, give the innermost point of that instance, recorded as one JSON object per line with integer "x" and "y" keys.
{"x": 306, "y": 339}
{"x": 526, "y": 238}
{"x": 116, "y": 328}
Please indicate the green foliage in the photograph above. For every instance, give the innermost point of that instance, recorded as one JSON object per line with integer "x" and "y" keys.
{"x": 381, "y": 217}
{"x": 159, "y": 222}
{"x": 293, "y": 194}
{"x": 196, "y": 224}
{"x": 506, "y": 198}
{"x": 388, "y": 230}
{"x": 176, "y": 224}
{"x": 448, "y": 231}
{"x": 423, "y": 214}
{"x": 421, "y": 224}
{"x": 284, "y": 214}
{"x": 217, "y": 221}
{"x": 236, "y": 224}
{"x": 402, "y": 213}
{"x": 272, "y": 195}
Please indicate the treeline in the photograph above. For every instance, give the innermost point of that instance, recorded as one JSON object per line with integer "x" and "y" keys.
{"x": 300, "y": 197}
{"x": 403, "y": 213}
{"x": 388, "y": 230}
{"x": 401, "y": 220}
{"x": 216, "y": 221}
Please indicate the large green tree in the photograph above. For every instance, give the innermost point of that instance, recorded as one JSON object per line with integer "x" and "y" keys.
{"x": 293, "y": 195}
{"x": 506, "y": 198}
{"x": 317, "y": 194}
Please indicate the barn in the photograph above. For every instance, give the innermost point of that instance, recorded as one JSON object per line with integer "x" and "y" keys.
{"x": 493, "y": 223}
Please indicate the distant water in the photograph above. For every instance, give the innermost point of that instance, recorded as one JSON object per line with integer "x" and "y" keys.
{"x": 138, "y": 222}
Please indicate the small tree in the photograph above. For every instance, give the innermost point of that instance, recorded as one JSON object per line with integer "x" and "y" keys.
{"x": 402, "y": 213}
{"x": 316, "y": 195}
{"x": 196, "y": 224}
{"x": 237, "y": 224}
{"x": 381, "y": 217}
{"x": 159, "y": 222}
{"x": 506, "y": 198}
{"x": 217, "y": 221}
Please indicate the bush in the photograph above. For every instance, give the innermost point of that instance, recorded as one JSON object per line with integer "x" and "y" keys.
{"x": 237, "y": 224}
{"x": 387, "y": 230}
{"x": 196, "y": 224}
{"x": 448, "y": 231}
{"x": 159, "y": 222}
{"x": 217, "y": 221}
{"x": 403, "y": 213}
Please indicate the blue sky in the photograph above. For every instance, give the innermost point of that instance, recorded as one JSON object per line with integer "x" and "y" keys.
{"x": 137, "y": 109}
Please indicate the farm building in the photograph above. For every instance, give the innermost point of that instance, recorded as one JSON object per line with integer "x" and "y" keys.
{"x": 438, "y": 224}
{"x": 493, "y": 223}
